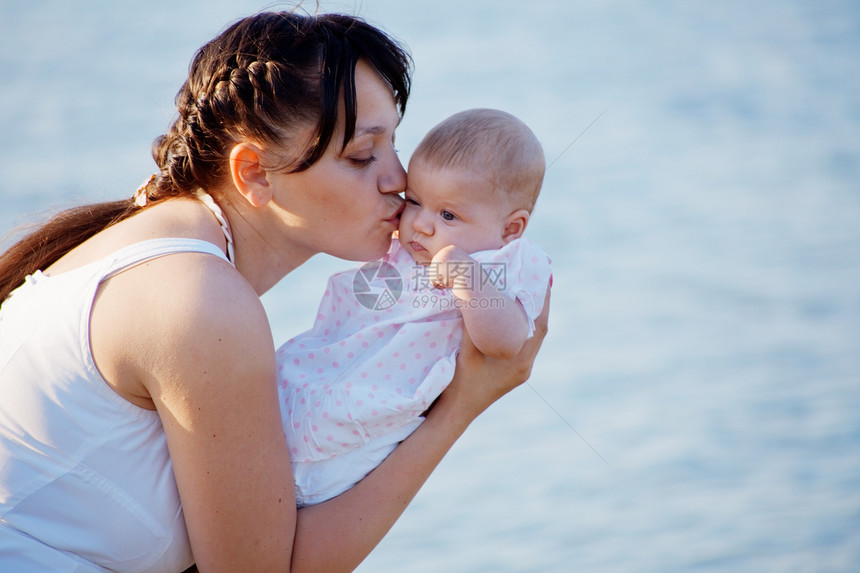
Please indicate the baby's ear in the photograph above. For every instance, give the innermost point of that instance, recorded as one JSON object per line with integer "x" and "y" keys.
{"x": 515, "y": 225}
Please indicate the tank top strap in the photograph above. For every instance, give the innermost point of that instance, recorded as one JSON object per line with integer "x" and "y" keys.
{"x": 210, "y": 204}
{"x": 144, "y": 251}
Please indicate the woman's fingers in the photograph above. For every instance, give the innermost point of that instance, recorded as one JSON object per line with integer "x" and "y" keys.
{"x": 525, "y": 359}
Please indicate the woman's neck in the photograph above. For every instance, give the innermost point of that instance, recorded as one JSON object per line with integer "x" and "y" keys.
{"x": 264, "y": 250}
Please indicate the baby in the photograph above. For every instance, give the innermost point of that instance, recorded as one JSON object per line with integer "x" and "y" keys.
{"x": 385, "y": 341}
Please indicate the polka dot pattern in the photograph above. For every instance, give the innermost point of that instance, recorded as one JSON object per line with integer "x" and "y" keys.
{"x": 358, "y": 372}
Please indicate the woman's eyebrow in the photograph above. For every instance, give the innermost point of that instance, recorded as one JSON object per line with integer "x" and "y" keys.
{"x": 371, "y": 130}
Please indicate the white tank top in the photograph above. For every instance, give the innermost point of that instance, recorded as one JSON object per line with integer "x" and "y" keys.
{"x": 86, "y": 482}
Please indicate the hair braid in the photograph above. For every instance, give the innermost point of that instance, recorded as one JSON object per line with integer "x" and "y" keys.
{"x": 264, "y": 79}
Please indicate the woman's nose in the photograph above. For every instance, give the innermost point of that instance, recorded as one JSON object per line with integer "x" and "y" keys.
{"x": 393, "y": 177}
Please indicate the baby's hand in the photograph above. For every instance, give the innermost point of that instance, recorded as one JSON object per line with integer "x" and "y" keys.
{"x": 453, "y": 268}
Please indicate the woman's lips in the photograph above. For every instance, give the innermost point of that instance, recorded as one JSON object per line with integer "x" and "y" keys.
{"x": 395, "y": 218}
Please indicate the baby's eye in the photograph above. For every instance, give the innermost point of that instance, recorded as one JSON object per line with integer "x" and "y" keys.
{"x": 448, "y": 215}
{"x": 411, "y": 201}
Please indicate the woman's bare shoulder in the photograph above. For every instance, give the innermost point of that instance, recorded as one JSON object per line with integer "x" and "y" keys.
{"x": 155, "y": 323}
{"x": 206, "y": 359}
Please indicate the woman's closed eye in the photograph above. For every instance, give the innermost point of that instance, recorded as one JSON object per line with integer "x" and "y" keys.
{"x": 363, "y": 161}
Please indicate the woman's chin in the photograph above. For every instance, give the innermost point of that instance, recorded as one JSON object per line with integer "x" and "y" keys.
{"x": 368, "y": 252}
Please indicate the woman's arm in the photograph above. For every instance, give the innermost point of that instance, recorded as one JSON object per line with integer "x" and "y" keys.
{"x": 204, "y": 355}
{"x": 207, "y": 361}
{"x": 338, "y": 534}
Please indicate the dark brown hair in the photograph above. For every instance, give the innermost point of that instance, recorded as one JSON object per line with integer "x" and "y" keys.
{"x": 262, "y": 79}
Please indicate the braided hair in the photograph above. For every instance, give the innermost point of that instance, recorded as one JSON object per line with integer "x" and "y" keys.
{"x": 263, "y": 79}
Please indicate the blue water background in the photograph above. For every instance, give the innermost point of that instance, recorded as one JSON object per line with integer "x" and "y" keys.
{"x": 696, "y": 406}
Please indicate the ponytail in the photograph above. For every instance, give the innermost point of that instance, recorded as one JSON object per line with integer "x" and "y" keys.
{"x": 47, "y": 244}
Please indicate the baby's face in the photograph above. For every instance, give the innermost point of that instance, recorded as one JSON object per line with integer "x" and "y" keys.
{"x": 449, "y": 207}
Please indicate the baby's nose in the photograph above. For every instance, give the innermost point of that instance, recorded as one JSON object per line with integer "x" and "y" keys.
{"x": 423, "y": 223}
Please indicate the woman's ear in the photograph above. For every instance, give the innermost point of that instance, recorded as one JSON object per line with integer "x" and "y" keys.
{"x": 249, "y": 175}
{"x": 515, "y": 225}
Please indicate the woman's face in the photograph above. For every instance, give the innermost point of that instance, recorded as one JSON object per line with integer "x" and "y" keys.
{"x": 347, "y": 203}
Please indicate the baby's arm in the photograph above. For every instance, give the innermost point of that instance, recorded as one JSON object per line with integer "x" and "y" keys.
{"x": 496, "y": 323}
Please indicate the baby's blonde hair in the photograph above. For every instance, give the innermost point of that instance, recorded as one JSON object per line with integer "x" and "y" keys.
{"x": 494, "y": 142}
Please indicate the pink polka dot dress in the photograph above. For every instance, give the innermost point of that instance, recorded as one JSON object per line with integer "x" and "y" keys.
{"x": 382, "y": 348}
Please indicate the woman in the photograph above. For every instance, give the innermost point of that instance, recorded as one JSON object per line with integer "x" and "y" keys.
{"x": 145, "y": 336}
